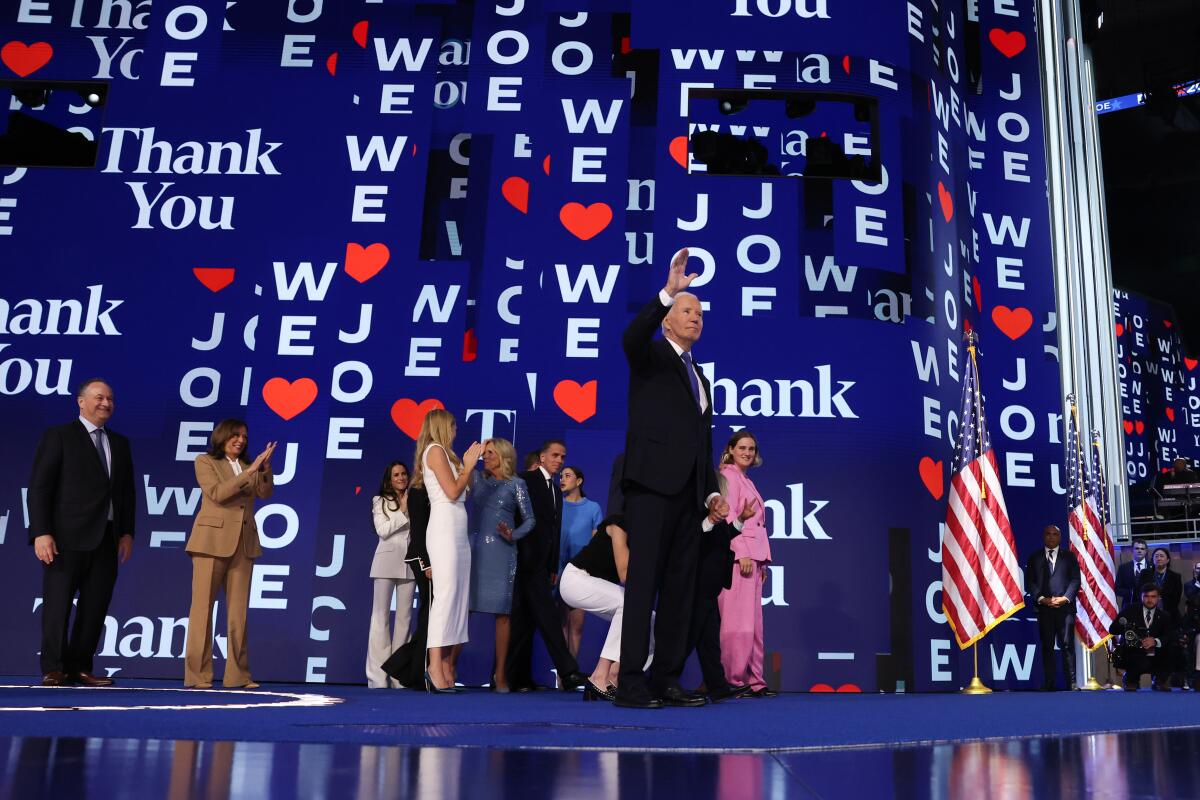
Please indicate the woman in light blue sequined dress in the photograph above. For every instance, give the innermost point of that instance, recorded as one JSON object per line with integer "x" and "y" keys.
{"x": 503, "y": 514}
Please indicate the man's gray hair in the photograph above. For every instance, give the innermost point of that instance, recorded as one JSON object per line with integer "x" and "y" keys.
{"x": 663, "y": 326}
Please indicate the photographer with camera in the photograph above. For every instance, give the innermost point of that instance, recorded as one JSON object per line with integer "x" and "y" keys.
{"x": 1142, "y": 635}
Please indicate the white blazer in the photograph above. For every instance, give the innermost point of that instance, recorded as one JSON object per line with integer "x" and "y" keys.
{"x": 392, "y": 529}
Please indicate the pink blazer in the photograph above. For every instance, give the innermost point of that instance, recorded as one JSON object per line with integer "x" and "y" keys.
{"x": 752, "y": 542}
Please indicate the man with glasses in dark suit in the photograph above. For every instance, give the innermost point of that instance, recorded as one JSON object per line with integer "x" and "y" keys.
{"x": 81, "y": 517}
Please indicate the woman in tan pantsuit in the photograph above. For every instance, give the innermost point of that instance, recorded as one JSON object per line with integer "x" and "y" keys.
{"x": 223, "y": 546}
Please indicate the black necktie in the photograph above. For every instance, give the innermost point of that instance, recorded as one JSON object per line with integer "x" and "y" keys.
{"x": 98, "y": 438}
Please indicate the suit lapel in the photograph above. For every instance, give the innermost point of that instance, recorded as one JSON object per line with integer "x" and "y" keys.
{"x": 681, "y": 370}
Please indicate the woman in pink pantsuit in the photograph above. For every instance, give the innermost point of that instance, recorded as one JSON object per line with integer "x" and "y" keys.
{"x": 741, "y": 604}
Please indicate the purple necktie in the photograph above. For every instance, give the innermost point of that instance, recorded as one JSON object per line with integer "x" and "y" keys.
{"x": 692, "y": 379}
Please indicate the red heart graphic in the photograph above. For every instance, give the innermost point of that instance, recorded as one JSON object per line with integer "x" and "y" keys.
{"x": 1190, "y": 363}
{"x": 1120, "y": 330}
{"x": 409, "y": 414}
{"x": 846, "y": 64}
{"x": 625, "y": 45}
{"x": 364, "y": 263}
{"x": 1128, "y": 427}
{"x": 848, "y": 688}
{"x": 289, "y": 399}
{"x": 1140, "y": 427}
{"x": 1010, "y": 44}
{"x": 1012, "y": 322}
{"x": 585, "y": 221}
{"x": 947, "y": 201}
{"x": 1170, "y": 413}
{"x": 546, "y": 165}
{"x": 360, "y": 33}
{"x": 678, "y": 150}
{"x": 1167, "y": 322}
{"x": 26, "y": 59}
{"x": 577, "y": 402}
{"x": 821, "y": 687}
{"x": 358, "y": 490}
{"x": 975, "y": 288}
{"x": 215, "y": 278}
{"x": 931, "y": 476}
{"x": 470, "y": 345}
{"x": 331, "y": 64}
{"x": 516, "y": 192}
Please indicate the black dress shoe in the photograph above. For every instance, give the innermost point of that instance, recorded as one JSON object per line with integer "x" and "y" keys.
{"x": 644, "y": 701}
{"x": 765, "y": 691}
{"x": 573, "y": 681}
{"x": 674, "y": 696}
{"x": 593, "y": 692}
{"x": 55, "y": 678}
{"x": 728, "y": 693}
{"x": 88, "y": 679}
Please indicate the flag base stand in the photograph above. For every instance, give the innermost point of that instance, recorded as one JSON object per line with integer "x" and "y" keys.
{"x": 1092, "y": 685}
{"x": 976, "y": 687}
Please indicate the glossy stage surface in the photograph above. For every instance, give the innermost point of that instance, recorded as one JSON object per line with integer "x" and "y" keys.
{"x": 151, "y": 739}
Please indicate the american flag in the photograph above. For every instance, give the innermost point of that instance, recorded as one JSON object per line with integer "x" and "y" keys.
{"x": 981, "y": 580}
{"x": 1090, "y": 540}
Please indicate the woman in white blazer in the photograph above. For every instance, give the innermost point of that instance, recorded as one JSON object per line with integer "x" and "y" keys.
{"x": 391, "y": 575}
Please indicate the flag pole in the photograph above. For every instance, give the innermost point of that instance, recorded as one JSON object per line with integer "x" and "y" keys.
{"x": 1090, "y": 684}
{"x": 976, "y": 686}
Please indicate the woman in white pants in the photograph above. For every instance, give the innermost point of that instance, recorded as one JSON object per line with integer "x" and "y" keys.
{"x": 390, "y": 574}
{"x": 591, "y": 581}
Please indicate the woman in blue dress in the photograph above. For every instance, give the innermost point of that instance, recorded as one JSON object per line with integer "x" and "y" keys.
{"x": 501, "y": 501}
{"x": 580, "y": 516}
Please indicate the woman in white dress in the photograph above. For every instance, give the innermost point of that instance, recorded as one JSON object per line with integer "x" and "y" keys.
{"x": 445, "y": 478}
{"x": 390, "y": 574}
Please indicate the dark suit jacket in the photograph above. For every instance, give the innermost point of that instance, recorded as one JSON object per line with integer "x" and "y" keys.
{"x": 668, "y": 440}
{"x": 1171, "y": 591}
{"x": 1126, "y": 585}
{"x": 69, "y": 492}
{"x": 418, "y": 523}
{"x": 715, "y": 570}
{"x": 1133, "y": 617}
{"x": 540, "y": 547}
{"x": 1063, "y": 582}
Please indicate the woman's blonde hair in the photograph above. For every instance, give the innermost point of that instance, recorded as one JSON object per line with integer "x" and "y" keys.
{"x": 436, "y": 428}
{"x": 508, "y": 455}
{"x": 726, "y": 458}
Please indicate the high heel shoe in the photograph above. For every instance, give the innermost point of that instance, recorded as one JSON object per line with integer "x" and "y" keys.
{"x": 432, "y": 688}
{"x": 592, "y": 692}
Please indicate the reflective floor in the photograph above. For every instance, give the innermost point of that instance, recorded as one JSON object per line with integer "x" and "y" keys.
{"x": 1159, "y": 764}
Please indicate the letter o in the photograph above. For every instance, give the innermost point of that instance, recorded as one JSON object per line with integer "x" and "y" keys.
{"x": 493, "y": 47}
{"x": 934, "y": 611}
{"x": 758, "y": 267}
{"x": 585, "y": 58}
{"x": 291, "y": 526}
{"x": 710, "y": 265}
{"x": 951, "y": 306}
{"x": 24, "y": 376}
{"x": 177, "y": 33}
{"x": 1027, "y": 426}
{"x": 186, "y": 393}
{"x": 1022, "y": 126}
{"x": 367, "y": 380}
{"x": 447, "y": 98}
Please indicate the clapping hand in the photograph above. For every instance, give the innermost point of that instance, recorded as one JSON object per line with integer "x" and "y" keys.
{"x": 677, "y": 278}
{"x": 264, "y": 458}
{"x": 473, "y": 454}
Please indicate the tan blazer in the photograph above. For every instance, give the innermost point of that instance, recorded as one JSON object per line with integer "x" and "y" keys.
{"x": 227, "y": 508}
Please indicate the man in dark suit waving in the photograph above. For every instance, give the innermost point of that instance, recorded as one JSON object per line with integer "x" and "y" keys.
{"x": 533, "y": 604}
{"x": 668, "y": 480}
{"x": 1052, "y": 581}
{"x": 81, "y": 513}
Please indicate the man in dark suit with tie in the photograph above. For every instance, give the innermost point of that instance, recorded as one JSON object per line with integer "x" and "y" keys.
{"x": 1127, "y": 574}
{"x": 1152, "y": 631}
{"x": 668, "y": 480}
{"x": 533, "y": 606}
{"x": 1052, "y": 581}
{"x": 81, "y": 516}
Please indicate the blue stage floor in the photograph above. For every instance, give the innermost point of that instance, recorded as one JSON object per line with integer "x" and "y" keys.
{"x": 152, "y": 739}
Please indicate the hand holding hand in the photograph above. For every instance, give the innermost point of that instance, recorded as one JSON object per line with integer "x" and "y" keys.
{"x": 1148, "y": 643}
{"x": 746, "y": 566}
{"x": 125, "y": 548}
{"x": 45, "y": 548}
{"x": 749, "y": 509}
{"x": 677, "y": 279}
{"x": 718, "y": 511}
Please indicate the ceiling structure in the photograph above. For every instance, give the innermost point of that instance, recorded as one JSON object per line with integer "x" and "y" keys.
{"x": 1151, "y": 154}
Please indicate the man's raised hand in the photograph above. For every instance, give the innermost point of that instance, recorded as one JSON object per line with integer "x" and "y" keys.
{"x": 677, "y": 278}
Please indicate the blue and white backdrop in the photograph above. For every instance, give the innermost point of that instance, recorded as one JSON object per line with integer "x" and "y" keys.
{"x": 328, "y": 217}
